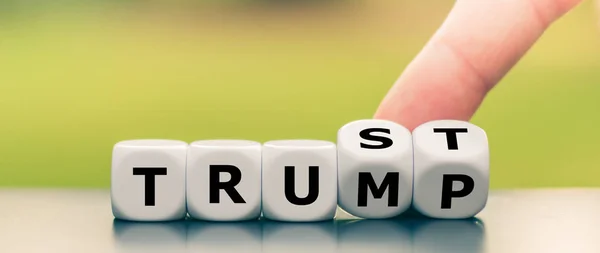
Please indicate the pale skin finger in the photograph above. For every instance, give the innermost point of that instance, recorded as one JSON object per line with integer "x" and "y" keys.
{"x": 478, "y": 43}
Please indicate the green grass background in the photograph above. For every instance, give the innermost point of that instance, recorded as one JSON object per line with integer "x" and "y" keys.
{"x": 78, "y": 76}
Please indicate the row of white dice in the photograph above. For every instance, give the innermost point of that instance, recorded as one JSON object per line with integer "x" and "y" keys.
{"x": 379, "y": 169}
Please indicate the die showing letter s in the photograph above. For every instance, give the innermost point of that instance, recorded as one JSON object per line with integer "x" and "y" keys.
{"x": 375, "y": 168}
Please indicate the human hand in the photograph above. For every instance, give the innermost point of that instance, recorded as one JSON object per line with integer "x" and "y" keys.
{"x": 478, "y": 43}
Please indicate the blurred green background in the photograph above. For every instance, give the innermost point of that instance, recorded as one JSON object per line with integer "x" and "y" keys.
{"x": 78, "y": 76}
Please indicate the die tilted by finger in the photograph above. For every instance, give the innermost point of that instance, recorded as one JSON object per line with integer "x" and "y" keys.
{"x": 377, "y": 169}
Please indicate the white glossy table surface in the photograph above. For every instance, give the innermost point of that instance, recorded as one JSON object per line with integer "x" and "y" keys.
{"x": 528, "y": 221}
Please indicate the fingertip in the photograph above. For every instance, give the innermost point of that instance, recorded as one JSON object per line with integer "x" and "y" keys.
{"x": 477, "y": 45}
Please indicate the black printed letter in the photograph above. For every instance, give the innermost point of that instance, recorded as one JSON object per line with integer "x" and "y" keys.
{"x": 367, "y": 135}
{"x": 290, "y": 186}
{"x": 448, "y": 194}
{"x": 149, "y": 183}
{"x": 451, "y": 136}
{"x": 215, "y": 185}
{"x": 366, "y": 182}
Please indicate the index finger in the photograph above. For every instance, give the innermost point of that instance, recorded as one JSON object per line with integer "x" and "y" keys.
{"x": 478, "y": 43}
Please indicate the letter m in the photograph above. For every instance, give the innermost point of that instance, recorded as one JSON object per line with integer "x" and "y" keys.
{"x": 366, "y": 182}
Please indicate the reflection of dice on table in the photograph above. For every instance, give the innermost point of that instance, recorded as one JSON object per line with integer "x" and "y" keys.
{"x": 377, "y": 170}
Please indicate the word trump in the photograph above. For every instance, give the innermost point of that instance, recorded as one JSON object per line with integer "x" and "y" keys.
{"x": 377, "y": 170}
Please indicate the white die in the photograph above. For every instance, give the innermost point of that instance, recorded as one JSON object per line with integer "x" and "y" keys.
{"x": 223, "y": 180}
{"x": 148, "y": 180}
{"x": 304, "y": 162}
{"x": 451, "y": 169}
{"x": 375, "y": 168}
